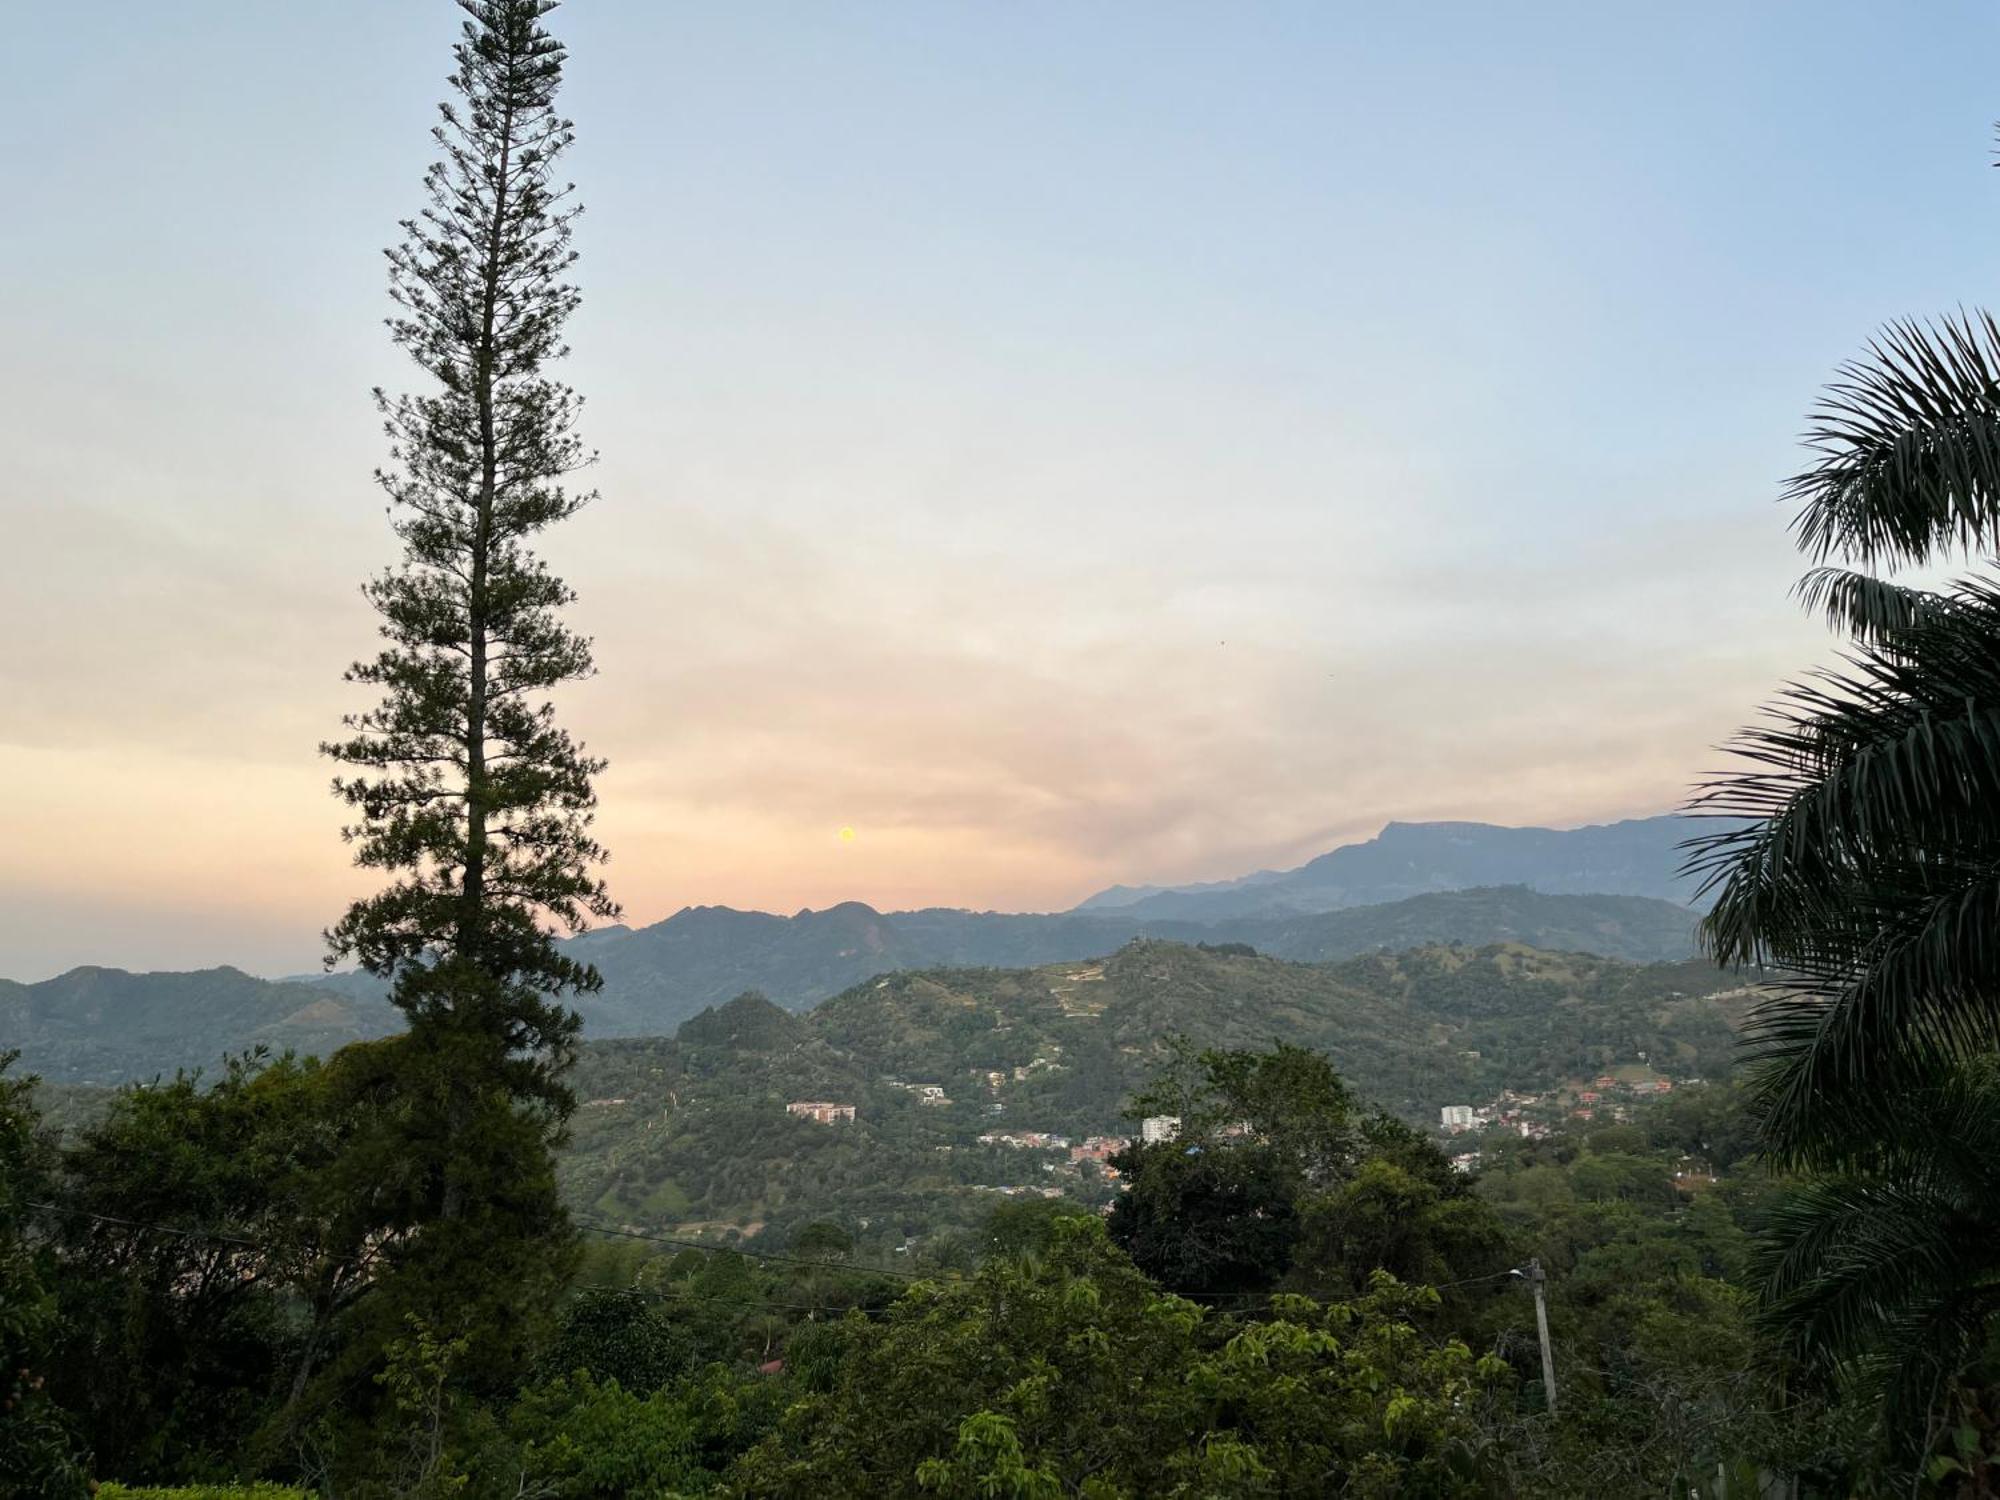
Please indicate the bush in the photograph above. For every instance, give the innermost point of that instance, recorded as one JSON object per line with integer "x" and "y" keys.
{"x": 203, "y": 1492}
{"x": 619, "y": 1335}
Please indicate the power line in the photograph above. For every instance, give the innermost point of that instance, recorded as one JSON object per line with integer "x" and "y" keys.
{"x": 770, "y": 1255}
{"x": 1445, "y": 1286}
{"x": 949, "y": 1277}
{"x": 811, "y": 1308}
{"x": 1324, "y": 1301}
{"x": 218, "y": 1237}
{"x": 153, "y": 1225}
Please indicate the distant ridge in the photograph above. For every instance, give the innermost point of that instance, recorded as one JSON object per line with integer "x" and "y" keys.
{"x": 1114, "y": 897}
{"x": 96, "y": 1025}
{"x": 1637, "y": 857}
{"x": 105, "y": 1025}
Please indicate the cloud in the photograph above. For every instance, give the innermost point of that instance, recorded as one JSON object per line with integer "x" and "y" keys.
{"x": 1070, "y": 490}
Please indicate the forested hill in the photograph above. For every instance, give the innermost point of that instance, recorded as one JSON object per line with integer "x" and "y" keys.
{"x": 105, "y": 1025}
{"x": 1411, "y": 1031}
{"x": 694, "y": 1131}
{"x": 657, "y": 976}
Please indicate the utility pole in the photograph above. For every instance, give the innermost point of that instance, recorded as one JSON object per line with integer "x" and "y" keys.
{"x": 1537, "y": 1280}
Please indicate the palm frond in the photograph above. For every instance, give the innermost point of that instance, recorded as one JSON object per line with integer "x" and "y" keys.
{"x": 1857, "y": 850}
{"x": 1868, "y": 608}
{"x": 1889, "y": 1273}
{"x": 1908, "y": 444}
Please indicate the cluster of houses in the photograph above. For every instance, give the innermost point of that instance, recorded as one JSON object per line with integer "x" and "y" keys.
{"x": 1100, "y": 1149}
{"x": 820, "y": 1110}
{"x": 827, "y": 1113}
{"x": 1529, "y": 1114}
{"x": 1535, "y": 1115}
{"x": 927, "y": 1093}
{"x": 996, "y": 1078}
{"x": 1607, "y": 1092}
{"x": 1096, "y": 1149}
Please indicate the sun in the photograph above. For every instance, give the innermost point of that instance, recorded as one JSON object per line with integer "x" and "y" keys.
{"x": 847, "y": 835}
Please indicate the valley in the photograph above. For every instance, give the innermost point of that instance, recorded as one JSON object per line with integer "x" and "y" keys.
{"x": 695, "y": 1130}
{"x": 695, "y": 1134}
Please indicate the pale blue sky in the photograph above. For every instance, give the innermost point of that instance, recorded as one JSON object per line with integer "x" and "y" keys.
{"x": 965, "y": 377}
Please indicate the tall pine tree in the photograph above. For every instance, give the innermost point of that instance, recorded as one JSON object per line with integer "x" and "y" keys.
{"x": 466, "y": 786}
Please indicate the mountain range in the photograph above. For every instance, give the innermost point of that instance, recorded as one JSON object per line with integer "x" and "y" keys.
{"x": 656, "y": 977}
{"x": 105, "y": 1025}
{"x": 1603, "y": 890}
{"x": 1638, "y": 857}
{"x": 96, "y": 1025}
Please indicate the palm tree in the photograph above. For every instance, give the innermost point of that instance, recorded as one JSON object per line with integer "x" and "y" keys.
{"x": 1859, "y": 857}
{"x": 1860, "y": 851}
{"x": 1866, "y": 868}
{"x": 1887, "y": 1271}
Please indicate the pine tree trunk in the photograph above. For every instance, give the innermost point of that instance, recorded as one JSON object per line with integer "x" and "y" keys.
{"x": 476, "y": 621}
{"x": 471, "y": 926}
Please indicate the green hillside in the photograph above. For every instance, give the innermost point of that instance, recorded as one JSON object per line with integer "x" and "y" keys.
{"x": 693, "y": 1132}
{"x": 1637, "y": 928}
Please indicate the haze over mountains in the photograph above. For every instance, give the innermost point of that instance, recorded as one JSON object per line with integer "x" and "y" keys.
{"x": 1592, "y": 890}
{"x": 1638, "y": 857}
{"x": 658, "y": 976}
{"x": 95, "y": 1025}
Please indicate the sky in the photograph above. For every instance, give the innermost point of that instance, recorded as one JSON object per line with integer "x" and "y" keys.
{"x": 1065, "y": 444}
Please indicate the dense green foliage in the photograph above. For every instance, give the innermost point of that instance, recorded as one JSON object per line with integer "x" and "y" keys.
{"x": 1274, "y": 1176}
{"x": 1074, "y": 1374}
{"x": 240, "y": 1320}
{"x": 174, "y": 1336}
{"x": 1895, "y": 1256}
{"x": 236, "y": 1256}
{"x": 1662, "y": 1368}
{"x": 201, "y": 1492}
{"x": 38, "y": 1459}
